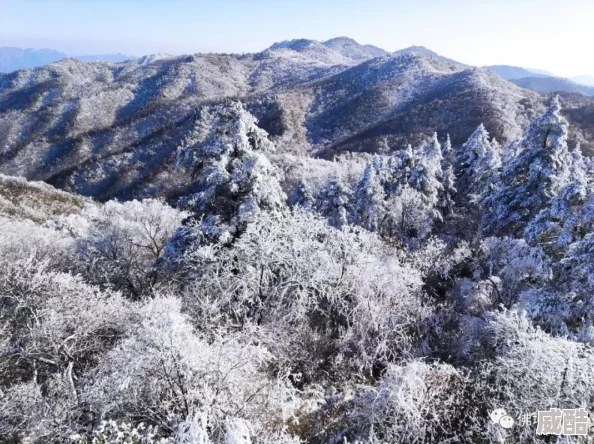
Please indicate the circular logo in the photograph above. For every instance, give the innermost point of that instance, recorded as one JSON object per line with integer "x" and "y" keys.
{"x": 506, "y": 421}
{"x": 500, "y": 416}
{"x": 497, "y": 414}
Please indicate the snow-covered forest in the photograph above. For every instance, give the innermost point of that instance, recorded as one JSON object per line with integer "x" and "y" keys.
{"x": 390, "y": 298}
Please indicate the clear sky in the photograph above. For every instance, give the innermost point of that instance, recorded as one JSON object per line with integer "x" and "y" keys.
{"x": 546, "y": 34}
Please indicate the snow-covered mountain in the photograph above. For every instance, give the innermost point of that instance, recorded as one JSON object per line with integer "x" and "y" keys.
{"x": 285, "y": 287}
{"x": 353, "y": 50}
{"x": 437, "y": 99}
{"x": 554, "y": 84}
{"x": 425, "y": 52}
{"x": 111, "y": 58}
{"x": 543, "y": 81}
{"x": 112, "y": 130}
{"x": 13, "y": 59}
{"x": 515, "y": 72}
{"x": 337, "y": 51}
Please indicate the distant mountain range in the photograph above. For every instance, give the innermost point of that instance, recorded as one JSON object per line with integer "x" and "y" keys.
{"x": 514, "y": 72}
{"x": 337, "y": 51}
{"x": 543, "y": 81}
{"x": 553, "y": 84}
{"x": 13, "y": 59}
{"x": 112, "y": 130}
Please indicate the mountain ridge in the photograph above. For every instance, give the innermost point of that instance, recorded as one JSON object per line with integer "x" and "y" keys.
{"x": 553, "y": 84}
{"x": 14, "y": 59}
{"x": 421, "y": 50}
{"x": 509, "y": 72}
{"x": 112, "y": 130}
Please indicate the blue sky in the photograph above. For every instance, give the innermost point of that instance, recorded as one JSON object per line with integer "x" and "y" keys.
{"x": 546, "y": 34}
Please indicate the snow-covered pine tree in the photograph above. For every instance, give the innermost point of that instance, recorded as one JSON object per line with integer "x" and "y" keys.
{"x": 302, "y": 195}
{"x": 448, "y": 192}
{"x": 383, "y": 146}
{"x": 533, "y": 177}
{"x": 227, "y": 152}
{"x": 400, "y": 167}
{"x": 426, "y": 175}
{"x": 476, "y": 166}
{"x": 558, "y": 225}
{"x": 370, "y": 198}
{"x": 334, "y": 202}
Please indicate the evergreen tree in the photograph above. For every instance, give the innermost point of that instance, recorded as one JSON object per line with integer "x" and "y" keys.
{"x": 558, "y": 225}
{"x": 533, "y": 178}
{"x": 235, "y": 178}
{"x": 426, "y": 175}
{"x": 477, "y": 165}
{"x": 302, "y": 196}
{"x": 383, "y": 147}
{"x": 370, "y": 198}
{"x": 401, "y": 166}
{"x": 446, "y": 198}
{"x": 334, "y": 202}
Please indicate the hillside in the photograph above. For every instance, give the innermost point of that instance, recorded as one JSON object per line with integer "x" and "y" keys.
{"x": 447, "y": 101}
{"x": 36, "y": 201}
{"x": 112, "y": 130}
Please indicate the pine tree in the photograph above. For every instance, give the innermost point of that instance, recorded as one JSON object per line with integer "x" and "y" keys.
{"x": 426, "y": 175}
{"x": 446, "y": 198}
{"x": 567, "y": 217}
{"x": 533, "y": 178}
{"x": 383, "y": 147}
{"x": 334, "y": 202}
{"x": 235, "y": 178}
{"x": 302, "y": 196}
{"x": 370, "y": 198}
{"x": 400, "y": 168}
{"x": 477, "y": 164}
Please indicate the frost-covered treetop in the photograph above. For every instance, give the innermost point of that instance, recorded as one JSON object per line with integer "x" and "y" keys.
{"x": 534, "y": 176}
{"x": 427, "y": 175}
{"x": 226, "y": 151}
{"x": 478, "y": 162}
{"x": 477, "y": 146}
{"x": 221, "y": 130}
{"x": 432, "y": 153}
{"x": 544, "y": 151}
{"x": 370, "y": 197}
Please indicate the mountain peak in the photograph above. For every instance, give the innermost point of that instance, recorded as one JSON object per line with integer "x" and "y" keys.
{"x": 350, "y": 48}
{"x": 295, "y": 44}
{"x": 338, "y": 50}
{"x": 426, "y": 52}
{"x": 340, "y": 39}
